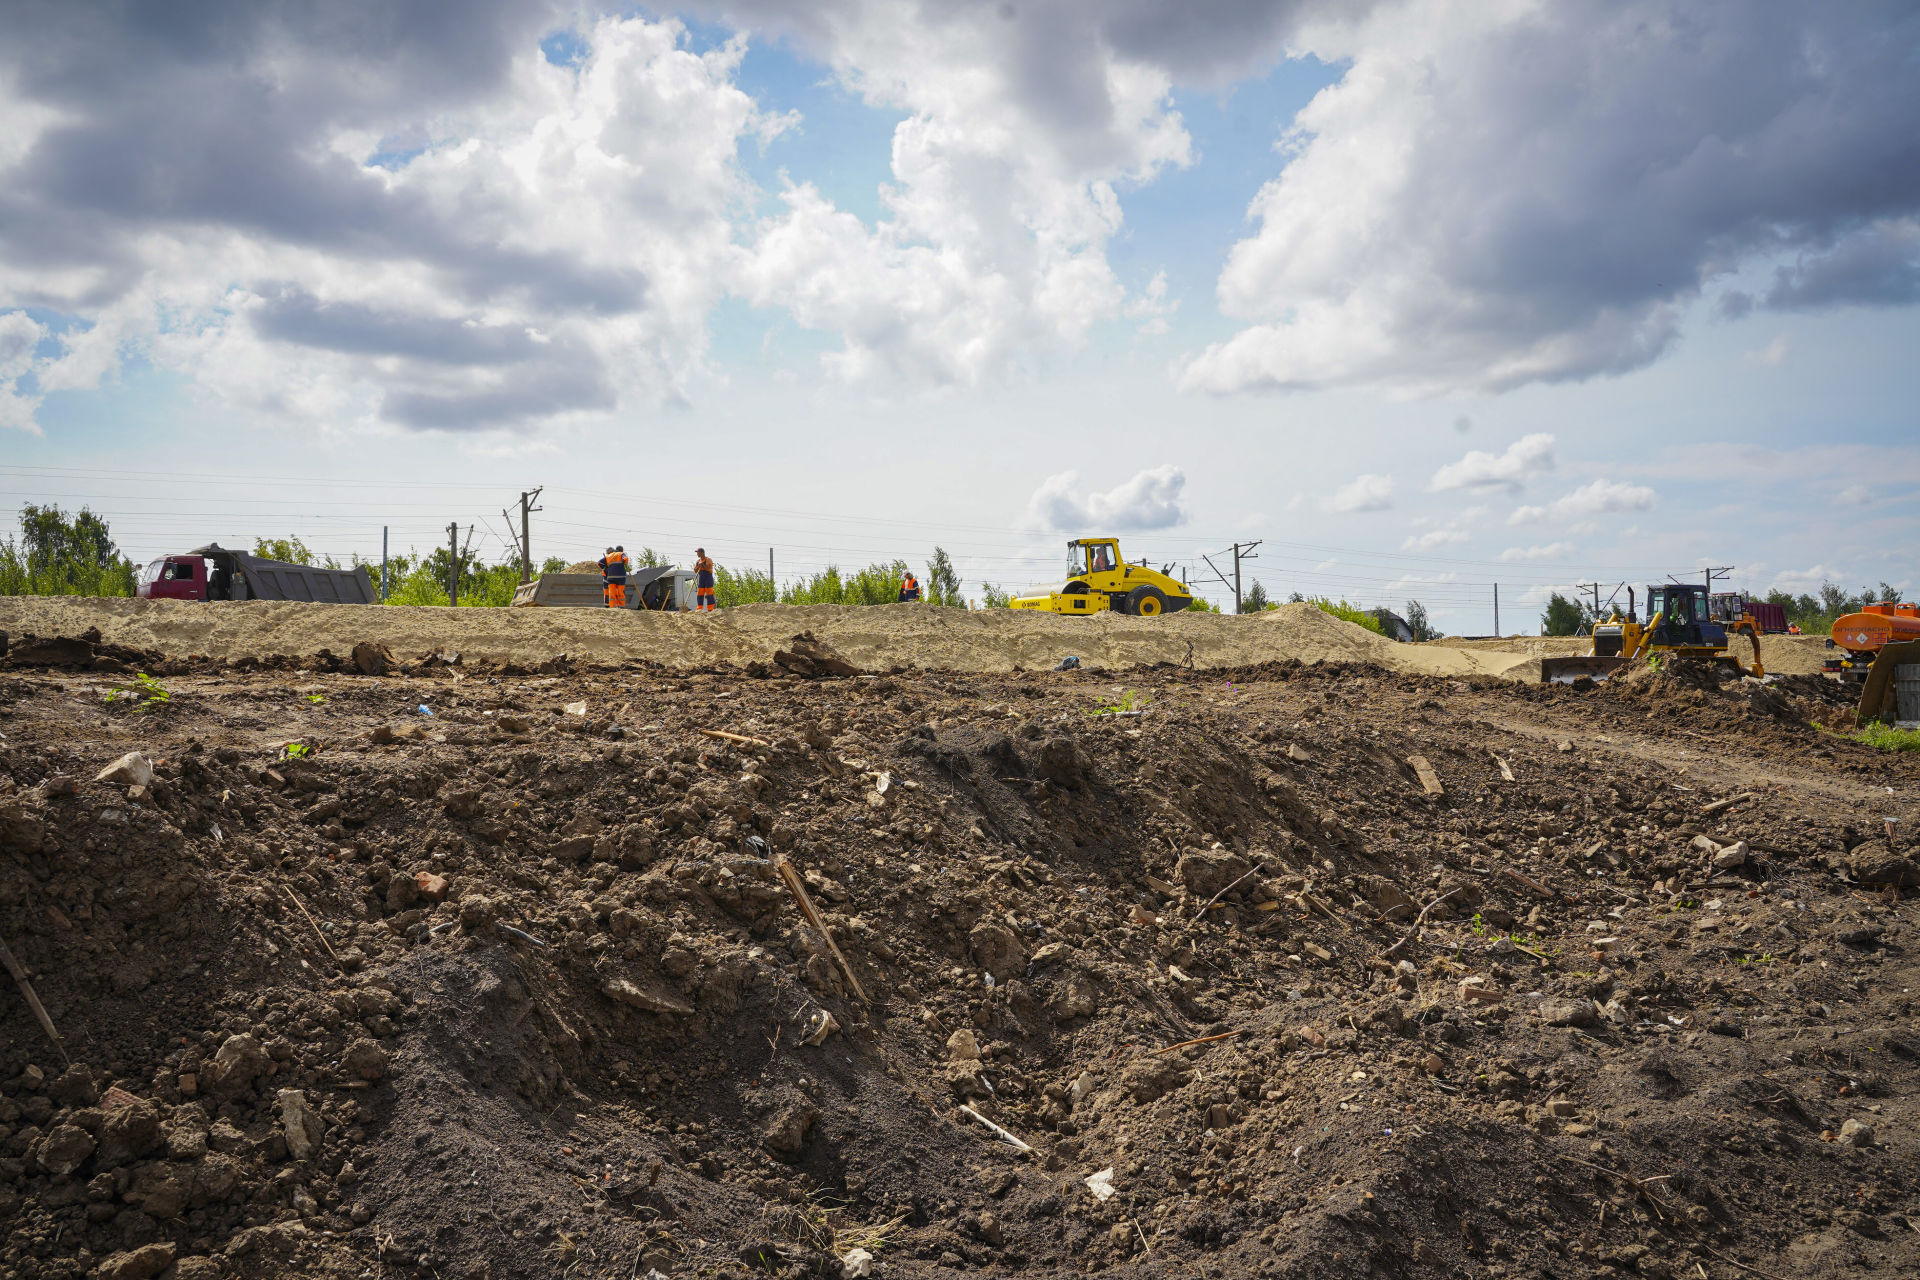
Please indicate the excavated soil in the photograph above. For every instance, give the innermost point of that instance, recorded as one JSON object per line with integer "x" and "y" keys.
{"x": 1281, "y": 970}
{"x": 1780, "y": 655}
{"x": 1000, "y": 640}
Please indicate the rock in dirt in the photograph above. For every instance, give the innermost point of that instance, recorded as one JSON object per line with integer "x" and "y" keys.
{"x": 856, "y": 1265}
{"x": 131, "y": 769}
{"x": 963, "y": 1046}
{"x": 997, "y": 949}
{"x": 143, "y": 1263}
{"x": 1151, "y": 1078}
{"x": 1207, "y": 873}
{"x": 1560, "y": 1012}
{"x": 1856, "y": 1133}
{"x": 1876, "y": 866}
{"x": 363, "y": 1060}
{"x": 372, "y": 659}
{"x": 65, "y": 1148}
{"x": 51, "y": 651}
{"x": 128, "y": 1133}
{"x": 806, "y": 656}
{"x": 299, "y": 1122}
{"x": 787, "y": 1132}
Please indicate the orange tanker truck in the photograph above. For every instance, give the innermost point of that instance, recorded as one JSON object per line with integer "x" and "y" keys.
{"x": 1864, "y": 634}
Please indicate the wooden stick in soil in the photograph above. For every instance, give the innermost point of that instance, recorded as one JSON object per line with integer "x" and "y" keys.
{"x": 19, "y": 973}
{"x": 310, "y": 920}
{"x": 1224, "y": 1035}
{"x": 1549, "y": 894}
{"x": 1418, "y": 921}
{"x": 724, "y": 736}
{"x": 798, "y": 888}
{"x": 1005, "y": 1136}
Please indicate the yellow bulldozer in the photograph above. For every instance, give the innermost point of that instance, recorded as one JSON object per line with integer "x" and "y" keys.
{"x": 1099, "y": 581}
{"x": 1680, "y": 621}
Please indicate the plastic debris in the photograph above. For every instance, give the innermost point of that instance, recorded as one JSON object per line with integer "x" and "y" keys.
{"x": 1101, "y": 1184}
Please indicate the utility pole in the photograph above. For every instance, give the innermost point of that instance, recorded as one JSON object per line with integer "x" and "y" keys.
{"x": 770, "y": 584}
{"x": 453, "y": 565}
{"x": 1723, "y": 571}
{"x": 383, "y": 564}
{"x": 1241, "y": 551}
{"x": 526, "y": 541}
{"x": 1496, "y": 611}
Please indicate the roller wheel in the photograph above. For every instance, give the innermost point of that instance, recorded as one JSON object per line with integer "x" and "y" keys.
{"x": 1146, "y": 602}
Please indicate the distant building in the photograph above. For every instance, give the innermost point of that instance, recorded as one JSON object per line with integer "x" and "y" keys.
{"x": 1394, "y": 625}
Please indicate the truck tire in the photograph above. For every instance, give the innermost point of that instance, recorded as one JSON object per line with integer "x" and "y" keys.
{"x": 1146, "y": 602}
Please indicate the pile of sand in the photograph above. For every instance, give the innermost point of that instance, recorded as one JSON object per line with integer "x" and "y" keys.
{"x": 876, "y": 636}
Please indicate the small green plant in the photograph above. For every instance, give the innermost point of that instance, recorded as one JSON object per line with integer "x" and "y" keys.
{"x": 145, "y": 693}
{"x": 316, "y": 698}
{"x": 1764, "y": 958}
{"x": 1885, "y": 737}
{"x": 296, "y": 751}
{"x": 1129, "y": 703}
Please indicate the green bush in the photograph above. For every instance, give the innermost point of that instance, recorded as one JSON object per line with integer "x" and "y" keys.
{"x": 1888, "y": 738}
{"x": 1348, "y": 613}
{"x": 992, "y": 597}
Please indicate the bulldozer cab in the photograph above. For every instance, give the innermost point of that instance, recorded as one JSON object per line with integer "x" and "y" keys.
{"x": 1685, "y": 620}
{"x": 1092, "y": 555}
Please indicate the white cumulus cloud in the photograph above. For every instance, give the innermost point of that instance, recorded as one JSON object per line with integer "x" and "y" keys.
{"x": 1150, "y": 500}
{"x": 1595, "y": 498}
{"x": 1525, "y": 458}
{"x": 1432, "y": 539}
{"x": 1363, "y": 493}
{"x": 1509, "y": 192}
{"x": 1526, "y": 555}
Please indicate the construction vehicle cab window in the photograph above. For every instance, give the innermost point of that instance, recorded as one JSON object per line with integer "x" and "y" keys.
{"x": 1100, "y": 580}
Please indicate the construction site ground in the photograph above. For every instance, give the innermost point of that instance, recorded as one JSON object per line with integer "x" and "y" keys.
{"x": 1273, "y": 967}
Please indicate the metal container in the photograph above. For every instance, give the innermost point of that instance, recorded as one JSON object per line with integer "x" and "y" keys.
{"x": 1906, "y": 691}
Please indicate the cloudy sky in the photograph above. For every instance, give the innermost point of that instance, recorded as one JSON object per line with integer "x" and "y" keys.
{"x": 1425, "y": 296}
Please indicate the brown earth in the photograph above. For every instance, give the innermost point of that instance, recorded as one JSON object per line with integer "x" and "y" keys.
{"x": 876, "y": 636}
{"x": 1781, "y": 655}
{"x": 516, "y": 991}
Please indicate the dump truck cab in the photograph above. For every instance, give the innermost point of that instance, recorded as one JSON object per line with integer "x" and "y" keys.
{"x": 1099, "y": 580}
{"x": 173, "y": 578}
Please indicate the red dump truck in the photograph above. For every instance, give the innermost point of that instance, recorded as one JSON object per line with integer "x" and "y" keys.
{"x": 214, "y": 573}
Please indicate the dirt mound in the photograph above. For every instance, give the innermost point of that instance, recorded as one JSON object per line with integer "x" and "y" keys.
{"x": 1780, "y": 655}
{"x": 1319, "y": 971}
{"x": 873, "y": 638}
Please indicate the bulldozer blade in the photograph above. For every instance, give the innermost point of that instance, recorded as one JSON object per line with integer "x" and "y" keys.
{"x": 1567, "y": 670}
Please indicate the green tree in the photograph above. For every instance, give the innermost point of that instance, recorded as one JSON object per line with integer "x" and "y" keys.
{"x": 285, "y": 550}
{"x": 943, "y": 584}
{"x": 992, "y": 597}
{"x": 63, "y": 555}
{"x": 1563, "y": 617}
{"x": 1200, "y": 605}
{"x": 1418, "y": 622}
{"x": 1255, "y": 600}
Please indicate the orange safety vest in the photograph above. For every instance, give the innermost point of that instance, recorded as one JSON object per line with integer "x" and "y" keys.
{"x": 909, "y": 588}
{"x": 614, "y": 569}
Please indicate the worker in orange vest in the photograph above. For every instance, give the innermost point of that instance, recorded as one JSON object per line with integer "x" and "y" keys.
{"x": 703, "y": 581}
{"x": 909, "y": 589}
{"x": 613, "y": 577}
